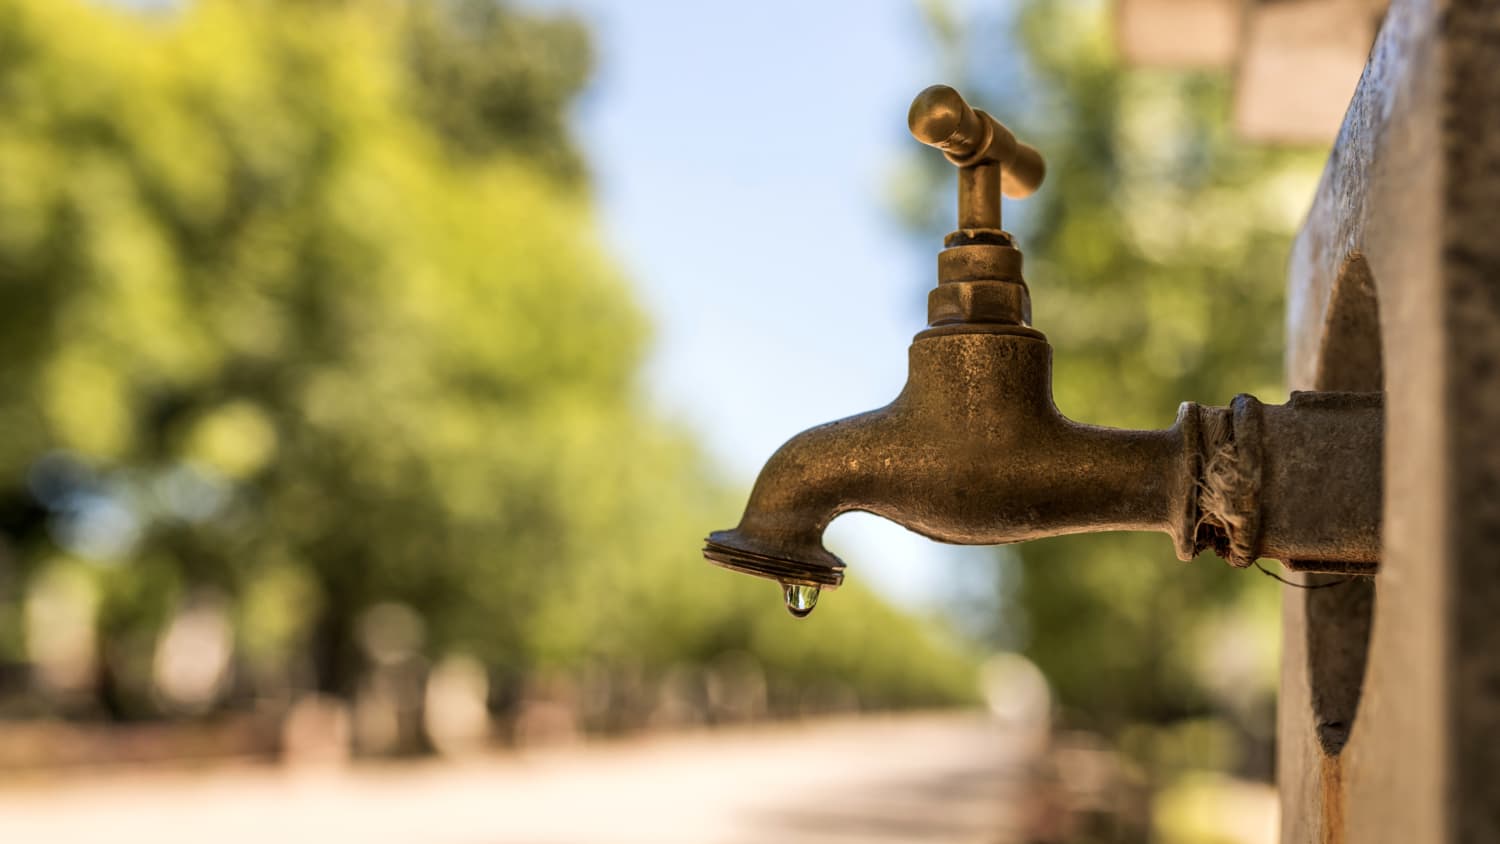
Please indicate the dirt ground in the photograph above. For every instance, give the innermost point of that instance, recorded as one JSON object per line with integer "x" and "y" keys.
{"x": 925, "y": 778}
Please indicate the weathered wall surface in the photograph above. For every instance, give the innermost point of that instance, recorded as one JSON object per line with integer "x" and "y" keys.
{"x": 1403, "y": 245}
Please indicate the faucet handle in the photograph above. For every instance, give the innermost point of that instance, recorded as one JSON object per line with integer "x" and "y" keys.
{"x": 968, "y": 137}
{"x": 990, "y": 159}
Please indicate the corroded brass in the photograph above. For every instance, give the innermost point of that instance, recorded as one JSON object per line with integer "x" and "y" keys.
{"x": 974, "y": 451}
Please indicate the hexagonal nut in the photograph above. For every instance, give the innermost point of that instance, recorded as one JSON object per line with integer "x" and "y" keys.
{"x": 992, "y": 302}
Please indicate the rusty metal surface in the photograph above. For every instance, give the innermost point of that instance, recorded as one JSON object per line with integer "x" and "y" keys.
{"x": 974, "y": 451}
{"x": 1298, "y": 482}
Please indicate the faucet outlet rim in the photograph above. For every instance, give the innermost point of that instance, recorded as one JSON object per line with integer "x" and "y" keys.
{"x": 731, "y": 550}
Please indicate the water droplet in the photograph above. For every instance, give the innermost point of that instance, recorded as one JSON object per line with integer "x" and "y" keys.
{"x": 800, "y": 599}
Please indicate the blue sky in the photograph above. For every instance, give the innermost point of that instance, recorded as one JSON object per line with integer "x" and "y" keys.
{"x": 742, "y": 156}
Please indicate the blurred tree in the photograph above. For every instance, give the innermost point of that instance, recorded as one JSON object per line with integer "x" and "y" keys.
{"x": 265, "y": 324}
{"x": 1155, "y": 254}
{"x": 490, "y": 80}
{"x": 302, "y": 312}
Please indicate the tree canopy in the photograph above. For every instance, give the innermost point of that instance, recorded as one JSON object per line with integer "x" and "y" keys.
{"x": 303, "y": 311}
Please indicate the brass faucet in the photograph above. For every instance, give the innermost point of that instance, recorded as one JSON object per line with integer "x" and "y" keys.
{"x": 974, "y": 452}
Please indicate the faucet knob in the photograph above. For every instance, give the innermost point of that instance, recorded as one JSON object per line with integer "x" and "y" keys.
{"x": 968, "y": 137}
{"x": 990, "y": 159}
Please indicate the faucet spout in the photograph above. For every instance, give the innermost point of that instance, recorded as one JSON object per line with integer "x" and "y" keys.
{"x": 972, "y": 452}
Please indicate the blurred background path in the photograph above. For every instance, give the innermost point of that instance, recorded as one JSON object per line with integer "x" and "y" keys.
{"x": 917, "y": 778}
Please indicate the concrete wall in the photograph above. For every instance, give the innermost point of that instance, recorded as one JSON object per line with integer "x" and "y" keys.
{"x": 1389, "y": 727}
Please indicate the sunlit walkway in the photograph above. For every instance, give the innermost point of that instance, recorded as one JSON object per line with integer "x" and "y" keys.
{"x": 930, "y": 778}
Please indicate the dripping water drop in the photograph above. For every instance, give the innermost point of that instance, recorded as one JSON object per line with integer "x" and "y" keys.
{"x": 800, "y": 599}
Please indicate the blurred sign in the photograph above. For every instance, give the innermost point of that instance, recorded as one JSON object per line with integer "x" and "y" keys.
{"x": 1295, "y": 62}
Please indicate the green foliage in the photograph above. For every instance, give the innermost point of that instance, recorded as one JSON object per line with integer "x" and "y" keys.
{"x": 262, "y": 271}
{"x": 490, "y": 80}
{"x": 301, "y": 304}
{"x": 1155, "y": 255}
